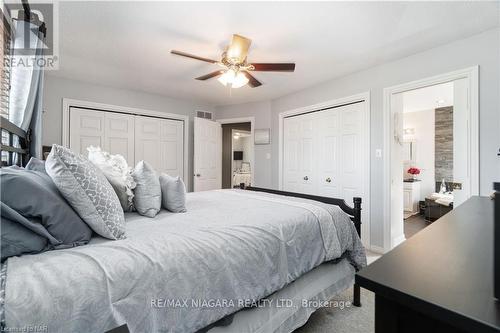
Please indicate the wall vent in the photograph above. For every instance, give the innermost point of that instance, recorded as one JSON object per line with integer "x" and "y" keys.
{"x": 204, "y": 114}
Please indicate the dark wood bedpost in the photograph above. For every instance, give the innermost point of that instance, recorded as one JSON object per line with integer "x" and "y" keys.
{"x": 357, "y": 224}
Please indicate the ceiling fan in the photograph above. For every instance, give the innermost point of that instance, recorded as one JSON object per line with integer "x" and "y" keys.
{"x": 235, "y": 71}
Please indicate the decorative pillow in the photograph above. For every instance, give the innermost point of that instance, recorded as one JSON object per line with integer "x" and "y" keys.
{"x": 118, "y": 174}
{"x": 173, "y": 193}
{"x": 33, "y": 197}
{"x": 147, "y": 196}
{"x": 35, "y": 164}
{"x": 86, "y": 189}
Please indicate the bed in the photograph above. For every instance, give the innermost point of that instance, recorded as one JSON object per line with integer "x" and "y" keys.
{"x": 221, "y": 267}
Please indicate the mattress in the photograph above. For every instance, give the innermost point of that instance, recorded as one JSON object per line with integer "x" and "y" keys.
{"x": 180, "y": 272}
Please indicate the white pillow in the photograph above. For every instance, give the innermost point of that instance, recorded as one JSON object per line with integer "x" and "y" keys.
{"x": 147, "y": 199}
{"x": 173, "y": 193}
{"x": 118, "y": 174}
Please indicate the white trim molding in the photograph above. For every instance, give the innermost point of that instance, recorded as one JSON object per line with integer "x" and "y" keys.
{"x": 472, "y": 76}
{"x": 68, "y": 103}
{"x": 251, "y": 120}
{"x": 365, "y": 96}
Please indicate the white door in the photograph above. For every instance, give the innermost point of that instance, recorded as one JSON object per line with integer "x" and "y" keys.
{"x": 160, "y": 142}
{"x": 353, "y": 155}
{"x": 397, "y": 196}
{"x": 172, "y": 147}
{"x": 119, "y": 135}
{"x": 86, "y": 129}
{"x": 292, "y": 176}
{"x": 147, "y": 141}
{"x": 325, "y": 154}
{"x": 207, "y": 155}
{"x": 461, "y": 146}
{"x": 329, "y": 183}
{"x": 300, "y": 153}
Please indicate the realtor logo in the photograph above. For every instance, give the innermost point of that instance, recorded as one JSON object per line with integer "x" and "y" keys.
{"x": 34, "y": 35}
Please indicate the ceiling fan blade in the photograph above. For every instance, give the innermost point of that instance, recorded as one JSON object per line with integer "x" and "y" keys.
{"x": 238, "y": 49}
{"x": 184, "y": 54}
{"x": 252, "y": 81}
{"x": 274, "y": 67}
{"x": 209, "y": 76}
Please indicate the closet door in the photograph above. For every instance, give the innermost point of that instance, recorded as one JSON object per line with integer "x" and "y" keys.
{"x": 352, "y": 157}
{"x": 147, "y": 141}
{"x": 86, "y": 129}
{"x": 172, "y": 147}
{"x": 160, "y": 142}
{"x": 291, "y": 154}
{"x": 300, "y": 154}
{"x": 308, "y": 177}
{"x": 329, "y": 179}
{"x": 119, "y": 135}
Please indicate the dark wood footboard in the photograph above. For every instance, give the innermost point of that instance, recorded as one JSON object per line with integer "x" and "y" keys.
{"x": 353, "y": 212}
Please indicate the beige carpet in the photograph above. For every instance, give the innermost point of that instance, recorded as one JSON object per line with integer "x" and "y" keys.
{"x": 347, "y": 320}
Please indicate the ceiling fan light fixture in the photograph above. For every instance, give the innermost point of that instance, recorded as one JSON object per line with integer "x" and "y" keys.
{"x": 227, "y": 77}
{"x": 239, "y": 81}
{"x": 233, "y": 78}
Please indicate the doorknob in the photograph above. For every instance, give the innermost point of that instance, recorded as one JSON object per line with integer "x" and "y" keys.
{"x": 306, "y": 178}
{"x": 197, "y": 175}
{"x": 328, "y": 180}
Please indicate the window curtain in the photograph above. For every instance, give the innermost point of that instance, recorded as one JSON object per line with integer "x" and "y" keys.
{"x": 26, "y": 92}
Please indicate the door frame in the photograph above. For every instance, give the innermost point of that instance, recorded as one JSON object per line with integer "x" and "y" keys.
{"x": 365, "y": 96}
{"x": 67, "y": 103}
{"x": 472, "y": 76}
{"x": 250, "y": 120}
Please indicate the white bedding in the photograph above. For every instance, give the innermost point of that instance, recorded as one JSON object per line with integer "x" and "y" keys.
{"x": 230, "y": 246}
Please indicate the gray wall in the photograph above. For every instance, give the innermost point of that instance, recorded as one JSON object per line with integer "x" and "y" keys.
{"x": 481, "y": 49}
{"x": 58, "y": 88}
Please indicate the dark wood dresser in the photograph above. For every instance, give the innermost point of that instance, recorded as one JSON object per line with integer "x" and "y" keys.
{"x": 441, "y": 279}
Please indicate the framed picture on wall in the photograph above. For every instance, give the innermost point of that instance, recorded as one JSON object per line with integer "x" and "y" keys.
{"x": 262, "y": 136}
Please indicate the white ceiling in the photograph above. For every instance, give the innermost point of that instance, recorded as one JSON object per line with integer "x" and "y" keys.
{"x": 428, "y": 98}
{"x": 127, "y": 44}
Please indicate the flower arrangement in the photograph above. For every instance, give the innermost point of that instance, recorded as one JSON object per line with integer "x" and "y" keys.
{"x": 414, "y": 172}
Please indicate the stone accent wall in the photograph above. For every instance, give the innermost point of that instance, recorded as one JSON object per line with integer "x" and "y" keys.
{"x": 443, "y": 162}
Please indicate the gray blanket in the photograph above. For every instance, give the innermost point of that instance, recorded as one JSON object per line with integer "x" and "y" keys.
{"x": 180, "y": 272}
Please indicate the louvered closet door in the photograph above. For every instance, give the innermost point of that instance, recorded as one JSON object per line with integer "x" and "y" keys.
{"x": 86, "y": 129}
{"x": 119, "y": 135}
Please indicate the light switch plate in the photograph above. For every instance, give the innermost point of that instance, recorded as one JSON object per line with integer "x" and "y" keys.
{"x": 378, "y": 153}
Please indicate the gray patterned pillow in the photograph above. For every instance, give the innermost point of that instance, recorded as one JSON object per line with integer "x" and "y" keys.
{"x": 86, "y": 189}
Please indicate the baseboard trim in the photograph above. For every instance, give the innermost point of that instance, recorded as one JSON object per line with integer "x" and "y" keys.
{"x": 398, "y": 240}
{"x": 377, "y": 249}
